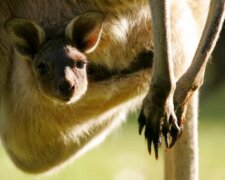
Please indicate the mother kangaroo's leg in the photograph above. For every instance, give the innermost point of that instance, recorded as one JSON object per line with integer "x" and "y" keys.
{"x": 181, "y": 162}
{"x": 157, "y": 114}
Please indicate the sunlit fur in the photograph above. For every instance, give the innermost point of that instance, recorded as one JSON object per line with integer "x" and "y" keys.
{"x": 38, "y": 134}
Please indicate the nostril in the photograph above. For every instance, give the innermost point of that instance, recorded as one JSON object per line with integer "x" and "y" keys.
{"x": 72, "y": 88}
{"x": 62, "y": 88}
{"x": 66, "y": 87}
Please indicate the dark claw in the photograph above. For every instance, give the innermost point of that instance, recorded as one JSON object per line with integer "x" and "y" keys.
{"x": 148, "y": 137}
{"x": 149, "y": 143}
{"x": 152, "y": 138}
{"x": 174, "y": 139}
{"x": 156, "y": 148}
{"x": 166, "y": 136}
{"x": 166, "y": 126}
{"x": 141, "y": 121}
{"x": 156, "y": 141}
{"x": 174, "y": 132}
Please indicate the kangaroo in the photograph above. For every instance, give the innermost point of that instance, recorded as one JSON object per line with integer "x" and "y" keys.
{"x": 59, "y": 64}
{"x": 40, "y": 134}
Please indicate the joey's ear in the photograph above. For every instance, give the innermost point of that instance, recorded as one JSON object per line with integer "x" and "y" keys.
{"x": 85, "y": 30}
{"x": 25, "y": 35}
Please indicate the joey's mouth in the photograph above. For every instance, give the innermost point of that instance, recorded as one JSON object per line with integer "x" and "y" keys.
{"x": 63, "y": 100}
{"x": 99, "y": 73}
{"x": 57, "y": 99}
{"x": 65, "y": 97}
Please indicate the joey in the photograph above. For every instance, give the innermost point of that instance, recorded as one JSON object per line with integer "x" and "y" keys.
{"x": 59, "y": 64}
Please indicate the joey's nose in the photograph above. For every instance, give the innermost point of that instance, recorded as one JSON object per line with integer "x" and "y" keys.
{"x": 66, "y": 88}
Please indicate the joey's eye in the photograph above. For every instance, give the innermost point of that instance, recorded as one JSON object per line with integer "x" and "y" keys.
{"x": 43, "y": 68}
{"x": 80, "y": 64}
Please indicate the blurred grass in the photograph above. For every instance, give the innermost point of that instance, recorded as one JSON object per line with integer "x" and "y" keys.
{"x": 123, "y": 156}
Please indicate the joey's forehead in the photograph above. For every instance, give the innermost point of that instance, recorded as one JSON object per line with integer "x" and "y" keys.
{"x": 73, "y": 53}
{"x": 59, "y": 51}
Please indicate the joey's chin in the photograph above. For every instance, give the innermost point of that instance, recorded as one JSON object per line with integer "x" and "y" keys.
{"x": 64, "y": 100}
{"x": 61, "y": 100}
{"x": 58, "y": 99}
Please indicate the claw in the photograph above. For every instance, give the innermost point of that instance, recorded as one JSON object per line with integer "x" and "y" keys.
{"x": 149, "y": 139}
{"x": 156, "y": 145}
{"x": 149, "y": 143}
{"x": 141, "y": 121}
{"x": 166, "y": 136}
{"x": 174, "y": 139}
{"x": 156, "y": 148}
{"x": 141, "y": 126}
{"x": 174, "y": 132}
{"x": 157, "y": 124}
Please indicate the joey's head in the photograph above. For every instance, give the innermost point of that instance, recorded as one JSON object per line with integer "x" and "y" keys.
{"x": 60, "y": 71}
{"x": 59, "y": 64}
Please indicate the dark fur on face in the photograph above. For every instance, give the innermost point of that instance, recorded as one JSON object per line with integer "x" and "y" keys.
{"x": 60, "y": 70}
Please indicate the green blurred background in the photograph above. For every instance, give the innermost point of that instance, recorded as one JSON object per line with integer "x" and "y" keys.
{"x": 123, "y": 155}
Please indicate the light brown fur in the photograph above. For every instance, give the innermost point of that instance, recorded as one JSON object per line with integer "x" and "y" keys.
{"x": 39, "y": 134}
